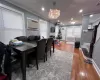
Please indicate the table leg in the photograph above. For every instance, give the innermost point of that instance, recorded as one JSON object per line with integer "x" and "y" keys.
{"x": 53, "y": 47}
{"x": 23, "y": 66}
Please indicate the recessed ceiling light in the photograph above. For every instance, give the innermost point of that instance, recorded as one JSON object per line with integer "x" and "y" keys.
{"x": 91, "y": 15}
{"x": 43, "y": 9}
{"x": 81, "y": 10}
{"x": 73, "y": 22}
{"x": 71, "y": 19}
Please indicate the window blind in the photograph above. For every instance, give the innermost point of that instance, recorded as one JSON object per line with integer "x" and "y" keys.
{"x": 12, "y": 19}
{"x": 11, "y": 24}
{"x": 43, "y": 29}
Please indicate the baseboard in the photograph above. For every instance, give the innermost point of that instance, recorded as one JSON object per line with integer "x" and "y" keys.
{"x": 70, "y": 42}
{"x": 93, "y": 62}
{"x": 96, "y": 67}
{"x": 83, "y": 54}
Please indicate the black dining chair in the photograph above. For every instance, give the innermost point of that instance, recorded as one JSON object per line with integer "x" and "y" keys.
{"x": 8, "y": 62}
{"x": 39, "y": 51}
{"x": 31, "y": 38}
{"x": 5, "y": 62}
{"x": 37, "y": 38}
{"x": 22, "y": 38}
{"x": 48, "y": 46}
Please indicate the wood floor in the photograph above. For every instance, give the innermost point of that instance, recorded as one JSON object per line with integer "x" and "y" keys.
{"x": 80, "y": 69}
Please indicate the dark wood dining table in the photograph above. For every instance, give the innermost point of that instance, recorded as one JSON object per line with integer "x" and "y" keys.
{"x": 25, "y": 49}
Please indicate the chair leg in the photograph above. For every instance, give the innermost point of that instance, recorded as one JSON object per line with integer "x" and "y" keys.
{"x": 50, "y": 52}
{"x": 46, "y": 56}
{"x": 37, "y": 63}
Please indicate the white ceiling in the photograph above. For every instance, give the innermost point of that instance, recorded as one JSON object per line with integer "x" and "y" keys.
{"x": 69, "y": 8}
{"x": 95, "y": 17}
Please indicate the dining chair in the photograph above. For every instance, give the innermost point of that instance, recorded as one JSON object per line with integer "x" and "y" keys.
{"x": 48, "y": 46}
{"x": 37, "y": 38}
{"x": 31, "y": 38}
{"x": 5, "y": 62}
{"x": 39, "y": 51}
{"x": 22, "y": 38}
{"x": 2, "y": 52}
{"x": 8, "y": 62}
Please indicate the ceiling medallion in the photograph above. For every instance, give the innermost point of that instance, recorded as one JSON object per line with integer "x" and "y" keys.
{"x": 54, "y": 13}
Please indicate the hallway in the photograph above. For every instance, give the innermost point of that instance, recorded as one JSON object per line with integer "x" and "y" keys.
{"x": 80, "y": 70}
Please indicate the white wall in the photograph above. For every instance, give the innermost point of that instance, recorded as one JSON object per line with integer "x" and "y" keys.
{"x": 85, "y": 36}
{"x": 96, "y": 51}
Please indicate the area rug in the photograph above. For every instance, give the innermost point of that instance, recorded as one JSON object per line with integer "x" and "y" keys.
{"x": 58, "y": 67}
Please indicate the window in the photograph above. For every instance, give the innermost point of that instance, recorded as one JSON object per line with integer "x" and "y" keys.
{"x": 43, "y": 29}
{"x": 77, "y": 32}
{"x": 74, "y": 31}
{"x": 70, "y": 32}
{"x": 11, "y": 24}
{"x": 12, "y": 19}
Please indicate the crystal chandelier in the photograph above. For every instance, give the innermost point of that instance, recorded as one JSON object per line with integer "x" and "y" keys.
{"x": 54, "y": 13}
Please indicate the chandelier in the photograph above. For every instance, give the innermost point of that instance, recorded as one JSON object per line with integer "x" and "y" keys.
{"x": 54, "y": 13}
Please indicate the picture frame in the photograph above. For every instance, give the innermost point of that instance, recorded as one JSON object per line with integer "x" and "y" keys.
{"x": 52, "y": 30}
{"x": 32, "y": 24}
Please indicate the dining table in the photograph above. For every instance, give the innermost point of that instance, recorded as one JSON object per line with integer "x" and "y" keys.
{"x": 24, "y": 50}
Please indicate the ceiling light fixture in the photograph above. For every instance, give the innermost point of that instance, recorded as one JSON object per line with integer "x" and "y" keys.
{"x": 91, "y": 15}
{"x": 81, "y": 10}
{"x": 73, "y": 23}
{"x": 43, "y": 9}
{"x": 54, "y": 13}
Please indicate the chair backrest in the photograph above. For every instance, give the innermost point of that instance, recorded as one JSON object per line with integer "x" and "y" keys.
{"x": 7, "y": 60}
{"x": 2, "y": 52}
{"x": 41, "y": 44}
{"x": 22, "y": 38}
{"x": 52, "y": 36}
{"x": 37, "y": 37}
{"x": 31, "y": 38}
{"x": 49, "y": 44}
{"x": 5, "y": 51}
